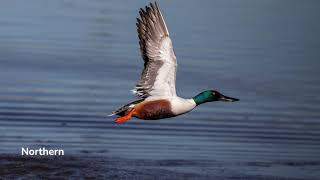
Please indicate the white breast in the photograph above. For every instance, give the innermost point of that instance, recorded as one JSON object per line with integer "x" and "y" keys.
{"x": 180, "y": 105}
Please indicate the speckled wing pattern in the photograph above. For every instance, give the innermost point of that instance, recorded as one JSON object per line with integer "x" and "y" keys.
{"x": 158, "y": 77}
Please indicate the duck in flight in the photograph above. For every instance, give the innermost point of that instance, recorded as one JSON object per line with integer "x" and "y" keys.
{"x": 157, "y": 85}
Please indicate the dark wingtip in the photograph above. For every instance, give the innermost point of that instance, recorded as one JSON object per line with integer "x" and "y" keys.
{"x": 148, "y": 9}
{"x": 153, "y": 7}
{"x": 138, "y": 21}
{"x": 142, "y": 11}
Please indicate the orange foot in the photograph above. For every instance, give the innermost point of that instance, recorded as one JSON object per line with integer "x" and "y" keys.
{"x": 124, "y": 118}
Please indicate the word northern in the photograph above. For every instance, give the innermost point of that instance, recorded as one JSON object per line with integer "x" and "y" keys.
{"x": 41, "y": 152}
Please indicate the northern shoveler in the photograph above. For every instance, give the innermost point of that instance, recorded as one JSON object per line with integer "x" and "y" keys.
{"x": 156, "y": 87}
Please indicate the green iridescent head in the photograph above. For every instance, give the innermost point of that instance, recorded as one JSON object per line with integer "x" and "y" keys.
{"x": 212, "y": 95}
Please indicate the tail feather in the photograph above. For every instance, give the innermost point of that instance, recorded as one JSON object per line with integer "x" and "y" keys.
{"x": 124, "y": 109}
{"x": 112, "y": 114}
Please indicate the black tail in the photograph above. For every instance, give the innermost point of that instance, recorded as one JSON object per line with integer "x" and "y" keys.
{"x": 126, "y": 108}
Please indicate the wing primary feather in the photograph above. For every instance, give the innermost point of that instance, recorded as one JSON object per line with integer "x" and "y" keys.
{"x": 156, "y": 51}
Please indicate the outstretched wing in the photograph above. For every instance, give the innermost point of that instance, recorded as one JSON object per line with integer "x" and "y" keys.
{"x": 158, "y": 77}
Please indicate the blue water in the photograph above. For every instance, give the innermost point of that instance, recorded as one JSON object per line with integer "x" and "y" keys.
{"x": 65, "y": 65}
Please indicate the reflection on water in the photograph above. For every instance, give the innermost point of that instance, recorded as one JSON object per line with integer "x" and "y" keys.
{"x": 65, "y": 65}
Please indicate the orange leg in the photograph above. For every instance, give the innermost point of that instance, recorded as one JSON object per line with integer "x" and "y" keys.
{"x": 124, "y": 118}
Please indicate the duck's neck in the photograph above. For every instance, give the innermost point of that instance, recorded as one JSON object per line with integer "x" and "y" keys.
{"x": 200, "y": 99}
